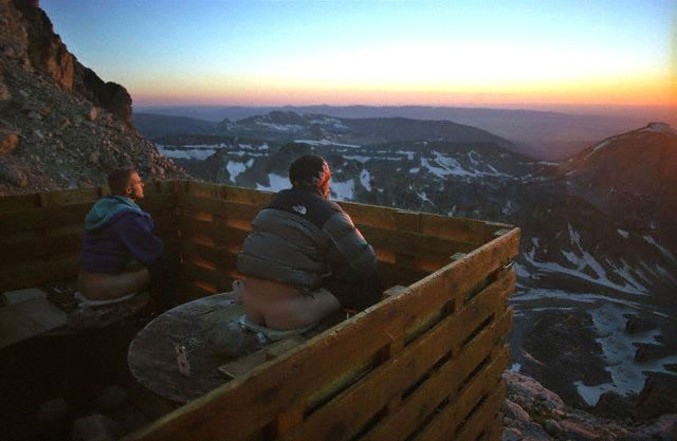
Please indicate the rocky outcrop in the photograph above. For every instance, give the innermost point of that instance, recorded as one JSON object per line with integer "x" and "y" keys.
{"x": 61, "y": 126}
{"x": 43, "y": 51}
{"x": 534, "y": 413}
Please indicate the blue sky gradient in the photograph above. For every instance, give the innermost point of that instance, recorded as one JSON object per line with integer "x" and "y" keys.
{"x": 485, "y": 52}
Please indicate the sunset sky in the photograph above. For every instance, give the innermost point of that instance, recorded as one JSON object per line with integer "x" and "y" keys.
{"x": 493, "y": 53}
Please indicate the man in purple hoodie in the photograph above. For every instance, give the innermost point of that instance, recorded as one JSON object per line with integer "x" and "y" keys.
{"x": 120, "y": 253}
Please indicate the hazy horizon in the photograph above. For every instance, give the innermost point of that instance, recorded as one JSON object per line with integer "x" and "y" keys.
{"x": 640, "y": 113}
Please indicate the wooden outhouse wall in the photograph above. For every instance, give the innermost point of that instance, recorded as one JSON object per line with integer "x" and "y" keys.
{"x": 425, "y": 363}
{"x": 213, "y": 221}
{"x": 40, "y": 234}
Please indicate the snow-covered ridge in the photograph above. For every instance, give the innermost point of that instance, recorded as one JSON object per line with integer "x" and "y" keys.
{"x": 581, "y": 264}
{"x": 658, "y": 127}
{"x": 654, "y": 127}
{"x": 325, "y": 143}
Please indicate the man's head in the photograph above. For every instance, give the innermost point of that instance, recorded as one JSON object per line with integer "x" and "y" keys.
{"x": 311, "y": 171}
{"x": 126, "y": 182}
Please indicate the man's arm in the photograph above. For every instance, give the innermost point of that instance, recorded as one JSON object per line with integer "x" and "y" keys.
{"x": 350, "y": 256}
{"x": 136, "y": 233}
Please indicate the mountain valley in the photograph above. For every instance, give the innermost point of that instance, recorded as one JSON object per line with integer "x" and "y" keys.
{"x": 587, "y": 271}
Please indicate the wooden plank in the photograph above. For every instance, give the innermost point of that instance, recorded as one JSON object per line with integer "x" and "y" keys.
{"x": 222, "y": 208}
{"x": 496, "y": 427}
{"x": 345, "y": 415}
{"x": 27, "y": 319}
{"x": 220, "y": 258}
{"x": 209, "y": 252}
{"x": 37, "y": 248}
{"x": 394, "y": 291}
{"x": 452, "y": 228}
{"x": 248, "y": 196}
{"x": 243, "y": 365}
{"x": 371, "y": 215}
{"x": 19, "y": 202}
{"x": 394, "y": 274}
{"x": 400, "y": 424}
{"x": 214, "y": 277}
{"x": 406, "y": 222}
{"x": 31, "y": 219}
{"x": 71, "y": 197}
{"x": 157, "y": 202}
{"x": 36, "y": 274}
{"x": 223, "y": 234}
{"x": 483, "y": 420}
{"x": 415, "y": 244}
{"x": 236, "y": 194}
{"x": 445, "y": 424}
{"x": 485, "y": 381}
{"x": 456, "y": 228}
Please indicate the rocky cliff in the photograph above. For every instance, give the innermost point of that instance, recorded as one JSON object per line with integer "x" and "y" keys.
{"x": 61, "y": 126}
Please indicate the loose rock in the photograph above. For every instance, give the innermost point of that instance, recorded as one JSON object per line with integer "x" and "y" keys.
{"x": 96, "y": 428}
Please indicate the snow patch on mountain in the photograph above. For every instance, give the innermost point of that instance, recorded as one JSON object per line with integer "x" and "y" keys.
{"x": 199, "y": 152}
{"x": 365, "y": 179}
{"x": 276, "y": 181}
{"x": 409, "y": 154}
{"x": 424, "y": 197}
{"x": 599, "y": 146}
{"x": 343, "y": 191}
{"x": 618, "y": 349}
{"x": 359, "y": 158}
{"x": 282, "y": 128}
{"x": 325, "y": 143}
{"x": 584, "y": 264}
{"x": 443, "y": 166}
{"x": 659, "y": 128}
{"x": 236, "y": 168}
{"x": 660, "y": 248}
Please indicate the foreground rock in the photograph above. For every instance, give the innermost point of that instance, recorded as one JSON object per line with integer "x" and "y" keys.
{"x": 534, "y": 413}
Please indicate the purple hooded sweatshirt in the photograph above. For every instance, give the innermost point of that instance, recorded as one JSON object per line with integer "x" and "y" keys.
{"x": 117, "y": 232}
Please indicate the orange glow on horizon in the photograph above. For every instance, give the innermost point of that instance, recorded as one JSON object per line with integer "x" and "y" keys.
{"x": 635, "y": 91}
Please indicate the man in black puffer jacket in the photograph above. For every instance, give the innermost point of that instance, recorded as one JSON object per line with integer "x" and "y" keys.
{"x": 304, "y": 258}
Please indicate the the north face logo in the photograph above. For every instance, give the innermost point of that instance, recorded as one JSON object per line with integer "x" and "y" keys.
{"x": 300, "y": 209}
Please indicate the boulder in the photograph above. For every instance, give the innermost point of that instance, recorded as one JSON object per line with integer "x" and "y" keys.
{"x": 111, "y": 398}
{"x": 52, "y": 412}
{"x": 8, "y": 141}
{"x": 96, "y": 428}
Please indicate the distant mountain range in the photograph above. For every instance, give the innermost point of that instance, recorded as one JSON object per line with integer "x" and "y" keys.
{"x": 539, "y": 134}
{"x": 584, "y": 255}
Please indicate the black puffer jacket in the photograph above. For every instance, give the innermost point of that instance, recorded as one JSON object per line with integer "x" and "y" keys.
{"x": 300, "y": 237}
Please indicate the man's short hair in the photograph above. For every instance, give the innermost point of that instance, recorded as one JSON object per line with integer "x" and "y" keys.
{"x": 118, "y": 179}
{"x": 309, "y": 170}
